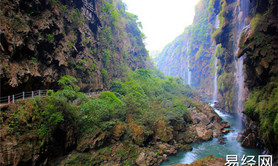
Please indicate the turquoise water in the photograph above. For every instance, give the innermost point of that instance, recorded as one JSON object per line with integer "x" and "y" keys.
{"x": 232, "y": 147}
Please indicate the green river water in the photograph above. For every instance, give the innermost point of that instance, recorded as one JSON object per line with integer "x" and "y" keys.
{"x": 201, "y": 150}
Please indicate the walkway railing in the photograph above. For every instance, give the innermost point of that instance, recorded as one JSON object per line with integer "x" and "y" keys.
{"x": 91, "y": 94}
{"x": 22, "y": 96}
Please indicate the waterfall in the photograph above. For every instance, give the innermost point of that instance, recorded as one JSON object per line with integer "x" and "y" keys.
{"x": 215, "y": 90}
{"x": 240, "y": 91}
{"x": 215, "y": 85}
{"x": 188, "y": 65}
{"x": 239, "y": 68}
{"x": 240, "y": 85}
{"x": 189, "y": 74}
{"x": 184, "y": 72}
{"x": 217, "y": 22}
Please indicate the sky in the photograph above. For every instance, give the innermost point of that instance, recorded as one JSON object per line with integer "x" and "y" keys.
{"x": 162, "y": 20}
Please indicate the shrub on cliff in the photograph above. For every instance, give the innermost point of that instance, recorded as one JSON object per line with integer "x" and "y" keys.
{"x": 69, "y": 90}
{"x": 102, "y": 111}
{"x": 262, "y": 107}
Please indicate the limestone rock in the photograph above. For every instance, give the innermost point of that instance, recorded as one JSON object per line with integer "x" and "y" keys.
{"x": 167, "y": 149}
{"x": 141, "y": 160}
{"x": 90, "y": 142}
{"x": 249, "y": 141}
{"x": 203, "y": 133}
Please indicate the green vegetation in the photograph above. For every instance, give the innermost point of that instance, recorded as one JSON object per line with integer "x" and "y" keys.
{"x": 131, "y": 111}
{"x": 113, "y": 12}
{"x": 102, "y": 112}
{"x": 226, "y": 88}
{"x": 255, "y": 21}
{"x": 81, "y": 64}
{"x": 110, "y": 50}
{"x": 216, "y": 33}
{"x": 87, "y": 39}
{"x": 50, "y": 38}
{"x": 74, "y": 14}
{"x": 76, "y": 17}
{"x": 42, "y": 116}
{"x": 223, "y": 8}
{"x": 104, "y": 75}
{"x": 262, "y": 107}
{"x": 200, "y": 31}
{"x": 219, "y": 51}
{"x": 106, "y": 58}
{"x": 34, "y": 59}
{"x": 199, "y": 53}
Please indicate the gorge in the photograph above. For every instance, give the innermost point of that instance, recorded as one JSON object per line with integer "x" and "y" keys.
{"x": 211, "y": 91}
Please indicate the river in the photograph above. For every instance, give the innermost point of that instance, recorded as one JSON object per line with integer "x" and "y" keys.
{"x": 201, "y": 150}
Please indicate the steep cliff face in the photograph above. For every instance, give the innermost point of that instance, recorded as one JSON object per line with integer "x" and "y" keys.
{"x": 259, "y": 43}
{"x": 234, "y": 16}
{"x": 202, "y": 46}
{"x": 173, "y": 60}
{"x": 249, "y": 34}
{"x": 42, "y": 40}
{"x": 191, "y": 55}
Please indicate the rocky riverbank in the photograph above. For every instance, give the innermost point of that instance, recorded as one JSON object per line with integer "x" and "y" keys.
{"x": 20, "y": 144}
{"x": 201, "y": 124}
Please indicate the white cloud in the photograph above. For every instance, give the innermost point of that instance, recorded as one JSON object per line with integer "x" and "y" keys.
{"x": 162, "y": 20}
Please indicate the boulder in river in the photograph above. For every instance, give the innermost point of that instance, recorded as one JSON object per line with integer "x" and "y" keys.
{"x": 249, "y": 141}
{"x": 247, "y": 138}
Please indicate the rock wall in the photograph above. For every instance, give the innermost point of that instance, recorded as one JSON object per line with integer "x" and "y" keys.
{"x": 172, "y": 60}
{"x": 259, "y": 43}
{"x": 234, "y": 15}
{"x": 43, "y": 40}
{"x": 248, "y": 30}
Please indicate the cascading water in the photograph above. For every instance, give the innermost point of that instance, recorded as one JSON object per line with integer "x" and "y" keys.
{"x": 215, "y": 90}
{"x": 217, "y": 22}
{"x": 188, "y": 66}
{"x": 239, "y": 68}
{"x": 184, "y": 76}
{"x": 239, "y": 85}
{"x": 240, "y": 91}
{"x": 189, "y": 74}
